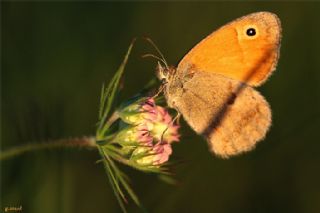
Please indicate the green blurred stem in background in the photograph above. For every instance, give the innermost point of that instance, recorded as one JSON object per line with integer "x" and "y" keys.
{"x": 84, "y": 142}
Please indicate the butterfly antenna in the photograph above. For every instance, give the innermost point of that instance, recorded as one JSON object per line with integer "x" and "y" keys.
{"x": 158, "y": 51}
{"x": 154, "y": 56}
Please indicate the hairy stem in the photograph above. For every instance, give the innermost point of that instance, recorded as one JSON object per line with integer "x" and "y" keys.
{"x": 84, "y": 142}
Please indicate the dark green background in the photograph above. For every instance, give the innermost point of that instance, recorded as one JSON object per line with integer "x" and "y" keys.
{"x": 55, "y": 57}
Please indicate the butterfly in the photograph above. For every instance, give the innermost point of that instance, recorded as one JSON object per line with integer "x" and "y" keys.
{"x": 213, "y": 85}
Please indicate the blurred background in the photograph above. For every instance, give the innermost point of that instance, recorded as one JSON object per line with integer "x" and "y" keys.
{"x": 55, "y": 57}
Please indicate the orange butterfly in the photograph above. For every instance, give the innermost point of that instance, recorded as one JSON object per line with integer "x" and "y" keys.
{"x": 212, "y": 87}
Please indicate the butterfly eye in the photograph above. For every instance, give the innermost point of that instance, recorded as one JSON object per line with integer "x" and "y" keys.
{"x": 164, "y": 81}
{"x": 251, "y": 32}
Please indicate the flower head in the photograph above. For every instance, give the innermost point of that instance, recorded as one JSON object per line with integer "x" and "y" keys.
{"x": 149, "y": 131}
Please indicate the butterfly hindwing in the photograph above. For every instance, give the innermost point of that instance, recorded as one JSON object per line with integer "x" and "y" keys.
{"x": 232, "y": 116}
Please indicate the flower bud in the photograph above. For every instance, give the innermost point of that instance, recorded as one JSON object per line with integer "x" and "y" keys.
{"x": 153, "y": 155}
{"x": 133, "y": 136}
{"x": 136, "y": 112}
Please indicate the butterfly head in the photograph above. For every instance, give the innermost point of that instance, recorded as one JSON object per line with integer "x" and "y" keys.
{"x": 164, "y": 73}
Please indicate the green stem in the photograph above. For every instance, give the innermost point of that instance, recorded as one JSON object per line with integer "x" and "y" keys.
{"x": 85, "y": 142}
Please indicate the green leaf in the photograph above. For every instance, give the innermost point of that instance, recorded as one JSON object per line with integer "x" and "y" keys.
{"x": 124, "y": 183}
{"x": 113, "y": 181}
{"x": 102, "y": 100}
{"x": 108, "y": 95}
{"x": 117, "y": 179}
